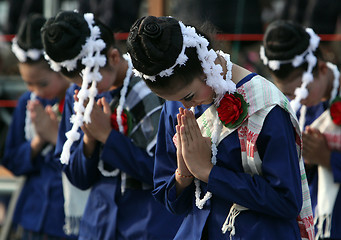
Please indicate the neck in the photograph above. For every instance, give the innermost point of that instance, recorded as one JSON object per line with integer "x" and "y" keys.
{"x": 66, "y": 85}
{"x": 238, "y": 73}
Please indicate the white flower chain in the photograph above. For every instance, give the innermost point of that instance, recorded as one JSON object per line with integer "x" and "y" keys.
{"x": 92, "y": 59}
{"x": 22, "y": 55}
{"x": 217, "y": 125}
{"x": 336, "y": 80}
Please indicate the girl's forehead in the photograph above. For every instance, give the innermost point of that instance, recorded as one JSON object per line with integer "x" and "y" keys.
{"x": 181, "y": 92}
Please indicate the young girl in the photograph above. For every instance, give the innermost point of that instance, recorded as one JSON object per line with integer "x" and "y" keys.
{"x": 113, "y": 154}
{"x": 233, "y": 165}
{"x": 292, "y": 55}
{"x": 33, "y": 135}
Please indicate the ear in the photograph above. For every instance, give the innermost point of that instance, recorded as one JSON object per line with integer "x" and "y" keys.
{"x": 113, "y": 56}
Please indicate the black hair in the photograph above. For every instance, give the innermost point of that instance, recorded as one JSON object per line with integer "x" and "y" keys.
{"x": 154, "y": 44}
{"x": 28, "y": 36}
{"x": 283, "y": 40}
{"x": 64, "y": 35}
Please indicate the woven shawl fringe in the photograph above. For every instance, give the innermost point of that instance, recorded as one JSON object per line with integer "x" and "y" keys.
{"x": 323, "y": 226}
{"x": 231, "y": 217}
{"x": 74, "y": 205}
{"x": 72, "y": 224}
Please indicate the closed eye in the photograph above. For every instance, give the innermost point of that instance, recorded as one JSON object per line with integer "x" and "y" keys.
{"x": 189, "y": 98}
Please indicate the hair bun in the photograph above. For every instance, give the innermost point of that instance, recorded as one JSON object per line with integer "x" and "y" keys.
{"x": 283, "y": 40}
{"x": 28, "y": 36}
{"x": 154, "y": 44}
{"x": 152, "y": 29}
{"x": 64, "y": 35}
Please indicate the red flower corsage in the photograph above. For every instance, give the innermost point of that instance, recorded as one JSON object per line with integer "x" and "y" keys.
{"x": 335, "y": 110}
{"x": 232, "y": 110}
{"x": 126, "y": 121}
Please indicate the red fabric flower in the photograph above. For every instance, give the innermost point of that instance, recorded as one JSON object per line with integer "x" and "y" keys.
{"x": 61, "y": 106}
{"x": 114, "y": 123}
{"x": 232, "y": 110}
{"x": 335, "y": 111}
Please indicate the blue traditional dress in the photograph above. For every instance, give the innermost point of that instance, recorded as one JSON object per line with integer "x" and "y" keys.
{"x": 40, "y": 206}
{"x": 273, "y": 197}
{"x": 121, "y": 205}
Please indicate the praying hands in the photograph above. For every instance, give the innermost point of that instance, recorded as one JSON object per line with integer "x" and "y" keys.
{"x": 194, "y": 150}
{"x": 44, "y": 120}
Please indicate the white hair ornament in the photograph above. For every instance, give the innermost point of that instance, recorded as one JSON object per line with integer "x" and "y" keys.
{"x": 307, "y": 77}
{"x": 213, "y": 72}
{"x": 93, "y": 60}
{"x": 22, "y": 55}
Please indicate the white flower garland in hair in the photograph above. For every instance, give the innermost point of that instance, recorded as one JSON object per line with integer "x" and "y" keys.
{"x": 214, "y": 138}
{"x": 307, "y": 56}
{"x": 207, "y": 57}
{"x": 119, "y": 110}
{"x": 336, "y": 80}
{"x": 22, "y": 55}
{"x": 93, "y": 60}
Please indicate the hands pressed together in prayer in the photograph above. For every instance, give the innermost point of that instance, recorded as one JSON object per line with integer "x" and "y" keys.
{"x": 315, "y": 148}
{"x": 45, "y": 123}
{"x": 100, "y": 127}
{"x": 193, "y": 151}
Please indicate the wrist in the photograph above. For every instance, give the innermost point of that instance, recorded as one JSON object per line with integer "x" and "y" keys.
{"x": 182, "y": 181}
{"x": 179, "y": 174}
{"x": 104, "y": 137}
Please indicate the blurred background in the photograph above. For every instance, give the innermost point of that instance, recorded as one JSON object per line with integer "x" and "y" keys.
{"x": 239, "y": 24}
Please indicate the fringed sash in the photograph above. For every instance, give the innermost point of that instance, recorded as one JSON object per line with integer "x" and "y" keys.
{"x": 262, "y": 96}
{"x": 327, "y": 188}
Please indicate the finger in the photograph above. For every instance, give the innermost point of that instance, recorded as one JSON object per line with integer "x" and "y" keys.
{"x": 184, "y": 137}
{"x": 192, "y": 125}
{"x": 178, "y": 137}
{"x": 178, "y": 116}
{"x": 181, "y": 110}
{"x": 187, "y": 130}
{"x": 86, "y": 131}
{"x": 307, "y": 129}
{"x": 50, "y": 112}
{"x": 106, "y": 106}
{"x": 75, "y": 95}
{"x": 99, "y": 102}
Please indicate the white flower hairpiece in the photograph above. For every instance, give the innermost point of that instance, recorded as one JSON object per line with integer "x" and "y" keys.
{"x": 307, "y": 77}
{"x": 22, "y": 55}
{"x": 207, "y": 57}
{"x": 92, "y": 59}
